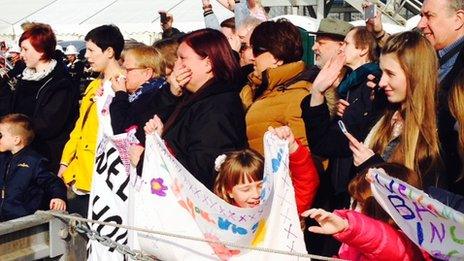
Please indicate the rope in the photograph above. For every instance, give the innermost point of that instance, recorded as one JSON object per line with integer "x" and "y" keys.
{"x": 97, "y": 12}
{"x": 25, "y": 18}
{"x": 230, "y": 244}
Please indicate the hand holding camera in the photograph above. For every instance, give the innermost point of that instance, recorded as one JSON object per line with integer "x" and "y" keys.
{"x": 163, "y": 17}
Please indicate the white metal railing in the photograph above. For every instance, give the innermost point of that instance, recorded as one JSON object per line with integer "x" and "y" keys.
{"x": 40, "y": 236}
{"x": 392, "y": 9}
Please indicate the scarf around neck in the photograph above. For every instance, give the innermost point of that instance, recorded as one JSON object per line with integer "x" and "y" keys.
{"x": 151, "y": 85}
{"x": 357, "y": 76}
{"x": 31, "y": 74}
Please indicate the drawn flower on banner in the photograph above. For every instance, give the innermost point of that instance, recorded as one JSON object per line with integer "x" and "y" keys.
{"x": 157, "y": 187}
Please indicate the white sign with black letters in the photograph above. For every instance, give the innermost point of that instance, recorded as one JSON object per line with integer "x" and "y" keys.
{"x": 110, "y": 191}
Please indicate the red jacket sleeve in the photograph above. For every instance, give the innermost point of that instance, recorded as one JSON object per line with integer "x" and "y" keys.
{"x": 304, "y": 177}
{"x": 375, "y": 240}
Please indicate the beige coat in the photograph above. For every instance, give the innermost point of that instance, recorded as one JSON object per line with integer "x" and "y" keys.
{"x": 279, "y": 105}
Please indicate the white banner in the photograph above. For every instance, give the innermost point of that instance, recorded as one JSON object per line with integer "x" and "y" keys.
{"x": 436, "y": 228}
{"x": 168, "y": 198}
{"x": 109, "y": 197}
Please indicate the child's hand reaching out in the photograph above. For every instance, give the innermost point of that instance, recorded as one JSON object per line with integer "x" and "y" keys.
{"x": 329, "y": 222}
{"x": 57, "y": 204}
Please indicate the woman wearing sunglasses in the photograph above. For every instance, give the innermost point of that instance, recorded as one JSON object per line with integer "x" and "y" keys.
{"x": 278, "y": 84}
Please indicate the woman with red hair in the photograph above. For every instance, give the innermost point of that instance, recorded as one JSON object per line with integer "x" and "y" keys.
{"x": 210, "y": 119}
{"x": 45, "y": 93}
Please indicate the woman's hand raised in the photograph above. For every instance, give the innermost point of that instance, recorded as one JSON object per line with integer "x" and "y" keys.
{"x": 326, "y": 78}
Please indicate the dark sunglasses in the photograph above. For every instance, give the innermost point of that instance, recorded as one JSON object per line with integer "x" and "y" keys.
{"x": 257, "y": 51}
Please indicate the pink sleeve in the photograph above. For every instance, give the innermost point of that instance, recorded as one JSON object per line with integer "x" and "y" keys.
{"x": 375, "y": 239}
{"x": 304, "y": 177}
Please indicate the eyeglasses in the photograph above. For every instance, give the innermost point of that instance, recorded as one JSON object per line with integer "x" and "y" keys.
{"x": 257, "y": 51}
{"x": 135, "y": 68}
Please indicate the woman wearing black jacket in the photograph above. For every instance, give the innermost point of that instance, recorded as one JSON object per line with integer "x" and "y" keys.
{"x": 210, "y": 119}
{"x": 324, "y": 135}
{"x": 45, "y": 93}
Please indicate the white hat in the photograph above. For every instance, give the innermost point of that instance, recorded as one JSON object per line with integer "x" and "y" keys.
{"x": 71, "y": 49}
{"x": 59, "y": 48}
{"x": 15, "y": 49}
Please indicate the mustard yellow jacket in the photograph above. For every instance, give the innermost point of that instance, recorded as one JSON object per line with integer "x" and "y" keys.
{"x": 279, "y": 105}
{"x": 79, "y": 151}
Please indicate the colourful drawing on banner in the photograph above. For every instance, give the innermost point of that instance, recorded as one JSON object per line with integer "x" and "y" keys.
{"x": 433, "y": 226}
{"x": 193, "y": 210}
{"x": 158, "y": 188}
{"x": 225, "y": 224}
{"x": 102, "y": 145}
{"x": 276, "y": 162}
{"x": 123, "y": 142}
{"x": 176, "y": 188}
{"x": 221, "y": 250}
{"x": 260, "y": 233}
{"x": 131, "y": 138}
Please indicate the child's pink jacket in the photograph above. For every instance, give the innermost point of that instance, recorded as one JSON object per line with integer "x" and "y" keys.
{"x": 370, "y": 239}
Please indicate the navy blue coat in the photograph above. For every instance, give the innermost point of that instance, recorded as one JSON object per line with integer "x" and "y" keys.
{"x": 25, "y": 182}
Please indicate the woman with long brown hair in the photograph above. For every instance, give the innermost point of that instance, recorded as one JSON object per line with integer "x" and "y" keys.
{"x": 407, "y": 133}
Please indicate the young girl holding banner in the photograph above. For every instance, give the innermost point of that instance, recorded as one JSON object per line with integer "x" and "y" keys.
{"x": 367, "y": 232}
{"x": 240, "y": 174}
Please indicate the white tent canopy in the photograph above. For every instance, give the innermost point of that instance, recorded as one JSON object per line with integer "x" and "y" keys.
{"x": 72, "y": 19}
{"x": 137, "y": 19}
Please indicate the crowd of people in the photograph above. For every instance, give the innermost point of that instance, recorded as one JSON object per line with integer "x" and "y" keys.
{"x": 372, "y": 100}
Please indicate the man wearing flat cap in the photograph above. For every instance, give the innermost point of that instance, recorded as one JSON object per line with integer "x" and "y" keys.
{"x": 329, "y": 39}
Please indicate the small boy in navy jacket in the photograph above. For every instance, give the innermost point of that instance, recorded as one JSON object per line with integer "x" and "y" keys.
{"x": 24, "y": 178}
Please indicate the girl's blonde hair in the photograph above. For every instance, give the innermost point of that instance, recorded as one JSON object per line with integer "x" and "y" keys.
{"x": 456, "y": 106}
{"x": 148, "y": 57}
{"x": 360, "y": 190}
{"x": 418, "y": 147}
{"x": 168, "y": 49}
{"x": 238, "y": 167}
